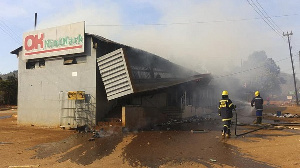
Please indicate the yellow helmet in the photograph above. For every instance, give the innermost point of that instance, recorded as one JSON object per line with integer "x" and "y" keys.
{"x": 225, "y": 93}
{"x": 256, "y": 93}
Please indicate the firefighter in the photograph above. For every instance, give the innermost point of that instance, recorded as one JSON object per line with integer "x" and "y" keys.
{"x": 258, "y": 102}
{"x": 225, "y": 111}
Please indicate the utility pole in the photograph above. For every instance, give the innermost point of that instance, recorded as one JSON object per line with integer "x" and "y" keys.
{"x": 35, "y": 20}
{"x": 288, "y": 35}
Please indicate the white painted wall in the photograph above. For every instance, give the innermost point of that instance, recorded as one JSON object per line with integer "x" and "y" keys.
{"x": 39, "y": 89}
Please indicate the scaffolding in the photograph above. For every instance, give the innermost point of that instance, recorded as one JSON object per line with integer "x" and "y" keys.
{"x": 77, "y": 112}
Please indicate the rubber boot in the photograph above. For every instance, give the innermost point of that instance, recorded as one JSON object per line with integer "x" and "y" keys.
{"x": 228, "y": 133}
{"x": 259, "y": 119}
{"x": 224, "y": 131}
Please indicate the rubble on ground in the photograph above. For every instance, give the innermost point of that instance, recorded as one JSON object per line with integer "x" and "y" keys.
{"x": 186, "y": 120}
{"x": 287, "y": 115}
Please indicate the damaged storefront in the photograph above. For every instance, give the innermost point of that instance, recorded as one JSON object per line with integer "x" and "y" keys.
{"x": 70, "y": 78}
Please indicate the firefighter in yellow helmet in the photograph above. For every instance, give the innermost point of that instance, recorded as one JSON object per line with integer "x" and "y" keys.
{"x": 258, "y": 102}
{"x": 225, "y": 111}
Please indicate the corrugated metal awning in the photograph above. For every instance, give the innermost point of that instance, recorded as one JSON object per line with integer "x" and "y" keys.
{"x": 114, "y": 74}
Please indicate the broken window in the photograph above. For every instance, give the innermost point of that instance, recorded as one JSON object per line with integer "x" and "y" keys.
{"x": 41, "y": 63}
{"x": 35, "y": 63}
{"x": 74, "y": 60}
{"x": 30, "y": 65}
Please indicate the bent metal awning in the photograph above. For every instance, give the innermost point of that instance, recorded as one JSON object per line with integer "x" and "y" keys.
{"x": 115, "y": 75}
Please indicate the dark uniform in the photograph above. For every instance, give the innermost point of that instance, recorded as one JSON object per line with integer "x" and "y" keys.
{"x": 225, "y": 111}
{"x": 258, "y": 102}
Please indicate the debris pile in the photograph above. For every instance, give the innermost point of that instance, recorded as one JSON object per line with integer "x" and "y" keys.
{"x": 287, "y": 115}
{"x": 193, "y": 119}
{"x": 102, "y": 133}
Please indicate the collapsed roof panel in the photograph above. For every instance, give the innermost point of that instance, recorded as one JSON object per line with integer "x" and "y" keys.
{"x": 129, "y": 70}
{"x": 114, "y": 73}
{"x": 144, "y": 71}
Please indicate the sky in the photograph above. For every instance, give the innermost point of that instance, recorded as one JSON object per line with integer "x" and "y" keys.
{"x": 209, "y": 36}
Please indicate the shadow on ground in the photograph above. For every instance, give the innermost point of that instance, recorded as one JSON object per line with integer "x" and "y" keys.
{"x": 78, "y": 148}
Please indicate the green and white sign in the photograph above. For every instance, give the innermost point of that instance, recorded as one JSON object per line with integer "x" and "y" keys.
{"x": 62, "y": 40}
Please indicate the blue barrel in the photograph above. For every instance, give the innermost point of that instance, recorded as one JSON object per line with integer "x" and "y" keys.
{"x": 278, "y": 113}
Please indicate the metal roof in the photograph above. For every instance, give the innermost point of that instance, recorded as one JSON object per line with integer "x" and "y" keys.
{"x": 143, "y": 71}
{"x": 148, "y": 85}
{"x": 128, "y": 70}
{"x": 17, "y": 50}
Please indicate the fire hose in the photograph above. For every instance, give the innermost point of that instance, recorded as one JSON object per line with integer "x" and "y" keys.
{"x": 248, "y": 131}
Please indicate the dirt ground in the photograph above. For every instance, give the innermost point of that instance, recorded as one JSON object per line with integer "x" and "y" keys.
{"x": 163, "y": 146}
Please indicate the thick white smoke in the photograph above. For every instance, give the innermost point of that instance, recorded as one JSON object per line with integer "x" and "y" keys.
{"x": 207, "y": 36}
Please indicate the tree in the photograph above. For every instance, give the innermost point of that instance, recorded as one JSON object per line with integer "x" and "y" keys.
{"x": 262, "y": 74}
{"x": 9, "y": 90}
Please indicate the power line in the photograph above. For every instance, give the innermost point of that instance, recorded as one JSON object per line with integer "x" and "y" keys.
{"x": 13, "y": 31}
{"x": 268, "y": 16}
{"x": 258, "y": 11}
{"x": 265, "y": 15}
{"x": 16, "y": 28}
{"x": 12, "y": 34}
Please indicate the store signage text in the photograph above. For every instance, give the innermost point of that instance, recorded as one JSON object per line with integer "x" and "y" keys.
{"x": 37, "y": 42}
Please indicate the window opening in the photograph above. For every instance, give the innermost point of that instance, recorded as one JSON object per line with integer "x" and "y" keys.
{"x": 35, "y": 63}
{"x": 41, "y": 63}
{"x": 74, "y": 60}
{"x": 30, "y": 65}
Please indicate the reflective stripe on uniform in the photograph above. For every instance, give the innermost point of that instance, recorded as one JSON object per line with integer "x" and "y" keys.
{"x": 223, "y": 103}
{"x": 230, "y": 104}
{"x": 258, "y": 98}
{"x": 226, "y": 119}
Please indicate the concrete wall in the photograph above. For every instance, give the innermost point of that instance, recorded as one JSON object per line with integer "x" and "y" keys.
{"x": 137, "y": 117}
{"x": 133, "y": 117}
{"x": 150, "y": 112}
{"x": 40, "y": 88}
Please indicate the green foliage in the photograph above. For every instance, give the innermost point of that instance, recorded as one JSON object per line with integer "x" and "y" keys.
{"x": 9, "y": 91}
{"x": 13, "y": 73}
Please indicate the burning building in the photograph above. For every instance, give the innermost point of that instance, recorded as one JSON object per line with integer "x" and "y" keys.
{"x": 70, "y": 78}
